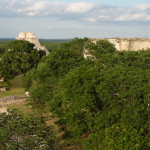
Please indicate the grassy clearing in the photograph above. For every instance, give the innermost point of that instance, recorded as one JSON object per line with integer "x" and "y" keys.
{"x": 14, "y": 92}
{"x": 16, "y": 88}
{"x": 26, "y": 108}
{"x": 3, "y": 84}
{"x": 22, "y": 107}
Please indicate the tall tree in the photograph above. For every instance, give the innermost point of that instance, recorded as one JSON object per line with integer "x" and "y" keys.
{"x": 20, "y": 57}
{"x": 43, "y": 81}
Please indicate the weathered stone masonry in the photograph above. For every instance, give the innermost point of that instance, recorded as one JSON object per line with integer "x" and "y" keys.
{"x": 29, "y": 36}
{"x": 127, "y": 44}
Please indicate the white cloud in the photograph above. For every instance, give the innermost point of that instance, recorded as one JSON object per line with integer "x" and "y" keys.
{"x": 80, "y": 7}
{"x": 38, "y": 6}
{"x": 91, "y": 19}
{"x": 143, "y": 7}
{"x": 97, "y": 18}
{"x": 90, "y": 12}
{"x": 134, "y": 17}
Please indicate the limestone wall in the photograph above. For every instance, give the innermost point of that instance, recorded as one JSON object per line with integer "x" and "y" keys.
{"x": 11, "y": 100}
{"x": 134, "y": 44}
{"x": 29, "y": 36}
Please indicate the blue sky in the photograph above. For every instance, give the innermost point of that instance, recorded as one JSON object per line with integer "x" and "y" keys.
{"x": 54, "y": 19}
{"x": 110, "y": 2}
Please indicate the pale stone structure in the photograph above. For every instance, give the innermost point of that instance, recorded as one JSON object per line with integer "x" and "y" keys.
{"x": 1, "y": 79}
{"x": 3, "y": 89}
{"x": 29, "y": 36}
{"x": 133, "y": 44}
{"x": 3, "y": 110}
{"x": 123, "y": 44}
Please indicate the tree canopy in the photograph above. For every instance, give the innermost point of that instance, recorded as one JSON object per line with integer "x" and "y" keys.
{"x": 19, "y": 58}
{"x": 18, "y": 131}
{"x": 43, "y": 81}
{"x": 103, "y": 102}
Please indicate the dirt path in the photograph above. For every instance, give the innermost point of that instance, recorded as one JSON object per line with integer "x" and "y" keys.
{"x": 62, "y": 144}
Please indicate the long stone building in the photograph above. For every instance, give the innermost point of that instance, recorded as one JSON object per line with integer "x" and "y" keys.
{"x": 127, "y": 44}
{"x": 29, "y": 36}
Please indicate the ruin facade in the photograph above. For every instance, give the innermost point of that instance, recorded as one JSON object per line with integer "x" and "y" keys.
{"x": 133, "y": 44}
{"x": 30, "y": 37}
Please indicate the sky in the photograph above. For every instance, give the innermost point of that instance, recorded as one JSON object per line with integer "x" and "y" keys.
{"x": 62, "y": 19}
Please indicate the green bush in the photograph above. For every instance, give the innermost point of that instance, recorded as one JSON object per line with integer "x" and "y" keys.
{"x": 19, "y": 58}
{"x": 43, "y": 81}
{"x": 108, "y": 104}
{"x": 25, "y": 132}
{"x": 102, "y": 103}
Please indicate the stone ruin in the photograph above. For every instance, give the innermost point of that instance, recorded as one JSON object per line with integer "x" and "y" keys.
{"x": 128, "y": 44}
{"x": 29, "y": 36}
{"x": 3, "y": 89}
{"x": 123, "y": 44}
{"x": 1, "y": 79}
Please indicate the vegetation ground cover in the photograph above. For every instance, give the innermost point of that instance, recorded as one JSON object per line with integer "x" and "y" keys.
{"x": 94, "y": 98}
{"x": 14, "y": 87}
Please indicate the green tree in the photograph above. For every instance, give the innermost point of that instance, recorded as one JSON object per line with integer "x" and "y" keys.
{"x": 6, "y": 70}
{"x": 21, "y": 57}
{"x": 43, "y": 81}
{"x": 136, "y": 59}
{"x": 2, "y": 50}
{"x": 100, "y": 48}
{"x": 104, "y": 103}
{"x": 98, "y": 101}
{"x": 76, "y": 44}
{"x": 18, "y": 131}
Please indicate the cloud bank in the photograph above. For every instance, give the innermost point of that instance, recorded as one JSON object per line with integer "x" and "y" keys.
{"x": 82, "y": 11}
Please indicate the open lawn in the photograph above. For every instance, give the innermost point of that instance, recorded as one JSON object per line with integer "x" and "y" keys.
{"x": 16, "y": 88}
{"x": 25, "y": 109}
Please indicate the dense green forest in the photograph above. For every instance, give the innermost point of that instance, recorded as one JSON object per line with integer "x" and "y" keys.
{"x": 102, "y": 101}
{"x": 25, "y": 132}
{"x": 3, "y": 46}
{"x": 50, "y": 44}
